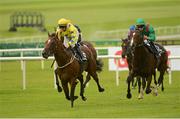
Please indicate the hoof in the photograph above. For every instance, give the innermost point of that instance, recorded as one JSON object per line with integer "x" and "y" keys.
{"x": 129, "y": 95}
{"x": 59, "y": 89}
{"x": 84, "y": 98}
{"x": 101, "y": 89}
{"x": 140, "y": 97}
{"x": 162, "y": 89}
{"x": 84, "y": 86}
{"x": 155, "y": 94}
{"x": 148, "y": 91}
{"x": 75, "y": 97}
{"x": 68, "y": 98}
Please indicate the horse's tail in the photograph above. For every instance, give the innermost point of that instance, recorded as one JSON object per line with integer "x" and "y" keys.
{"x": 99, "y": 64}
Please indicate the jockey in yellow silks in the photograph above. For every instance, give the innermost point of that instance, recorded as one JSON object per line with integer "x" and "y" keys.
{"x": 71, "y": 35}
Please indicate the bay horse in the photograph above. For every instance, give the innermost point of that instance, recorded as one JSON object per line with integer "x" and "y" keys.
{"x": 162, "y": 67}
{"x": 69, "y": 68}
{"x": 143, "y": 63}
{"x": 127, "y": 53}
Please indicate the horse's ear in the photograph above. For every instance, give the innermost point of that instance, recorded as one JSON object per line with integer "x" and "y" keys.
{"x": 123, "y": 39}
{"x": 55, "y": 29}
{"x": 48, "y": 34}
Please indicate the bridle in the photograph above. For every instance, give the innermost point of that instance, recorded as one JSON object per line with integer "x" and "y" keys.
{"x": 55, "y": 49}
{"x": 137, "y": 45}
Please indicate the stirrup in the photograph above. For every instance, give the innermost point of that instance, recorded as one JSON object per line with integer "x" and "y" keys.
{"x": 84, "y": 59}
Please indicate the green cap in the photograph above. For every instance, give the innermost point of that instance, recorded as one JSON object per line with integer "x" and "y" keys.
{"x": 140, "y": 21}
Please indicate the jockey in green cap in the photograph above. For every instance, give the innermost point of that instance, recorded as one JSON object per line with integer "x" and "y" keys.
{"x": 149, "y": 35}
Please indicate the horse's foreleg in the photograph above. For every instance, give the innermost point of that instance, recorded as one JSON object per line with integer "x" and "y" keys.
{"x": 66, "y": 89}
{"x": 73, "y": 86}
{"x": 148, "y": 89}
{"x": 95, "y": 77}
{"x": 57, "y": 81}
{"x": 88, "y": 77}
{"x": 129, "y": 79}
{"x": 139, "y": 87}
{"x": 82, "y": 88}
{"x": 141, "y": 96}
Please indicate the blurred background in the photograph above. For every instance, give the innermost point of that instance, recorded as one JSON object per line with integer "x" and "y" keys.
{"x": 91, "y": 15}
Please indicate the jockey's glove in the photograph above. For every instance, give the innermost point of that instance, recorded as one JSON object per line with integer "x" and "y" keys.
{"x": 69, "y": 43}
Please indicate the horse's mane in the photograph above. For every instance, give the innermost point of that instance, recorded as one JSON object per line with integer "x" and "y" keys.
{"x": 53, "y": 34}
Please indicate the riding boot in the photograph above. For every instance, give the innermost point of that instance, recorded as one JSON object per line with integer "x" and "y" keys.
{"x": 81, "y": 55}
{"x": 149, "y": 46}
{"x": 156, "y": 53}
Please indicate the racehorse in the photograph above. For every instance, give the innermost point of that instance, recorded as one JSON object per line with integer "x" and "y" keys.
{"x": 143, "y": 63}
{"x": 162, "y": 67}
{"x": 69, "y": 69}
{"x": 127, "y": 52}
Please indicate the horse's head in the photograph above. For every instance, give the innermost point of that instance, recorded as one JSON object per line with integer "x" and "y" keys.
{"x": 125, "y": 45}
{"x": 138, "y": 38}
{"x": 50, "y": 45}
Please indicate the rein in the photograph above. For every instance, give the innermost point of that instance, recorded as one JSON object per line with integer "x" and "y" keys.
{"x": 71, "y": 60}
{"x": 139, "y": 45}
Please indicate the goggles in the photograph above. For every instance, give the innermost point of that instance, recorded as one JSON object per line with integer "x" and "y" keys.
{"x": 61, "y": 27}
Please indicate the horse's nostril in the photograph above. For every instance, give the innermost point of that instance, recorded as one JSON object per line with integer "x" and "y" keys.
{"x": 44, "y": 54}
{"x": 123, "y": 56}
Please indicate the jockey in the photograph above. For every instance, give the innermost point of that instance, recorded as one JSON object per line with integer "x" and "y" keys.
{"x": 132, "y": 28}
{"x": 149, "y": 35}
{"x": 71, "y": 35}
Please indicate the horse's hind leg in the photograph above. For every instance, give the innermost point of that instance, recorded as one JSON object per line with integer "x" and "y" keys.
{"x": 82, "y": 88}
{"x": 88, "y": 77}
{"x": 160, "y": 80}
{"x": 155, "y": 88}
{"x": 57, "y": 81}
{"x": 155, "y": 82}
{"x": 95, "y": 77}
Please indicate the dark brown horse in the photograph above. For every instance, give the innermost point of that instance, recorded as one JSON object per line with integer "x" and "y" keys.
{"x": 128, "y": 54}
{"x": 69, "y": 68}
{"x": 162, "y": 67}
{"x": 143, "y": 63}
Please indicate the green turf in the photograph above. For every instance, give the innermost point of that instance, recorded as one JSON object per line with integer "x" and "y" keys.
{"x": 42, "y": 100}
{"x": 91, "y": 15}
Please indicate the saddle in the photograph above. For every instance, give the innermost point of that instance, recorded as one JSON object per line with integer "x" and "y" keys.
{"x": 155, "y": 49}
{"x": 76, "y": 52}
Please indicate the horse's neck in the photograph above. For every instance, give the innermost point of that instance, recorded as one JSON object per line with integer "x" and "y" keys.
{"x": 61, "y": 56}
{"x": 140, "y": 54}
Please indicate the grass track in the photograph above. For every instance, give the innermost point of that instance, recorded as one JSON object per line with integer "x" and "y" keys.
{"x": 41, "y": 100}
